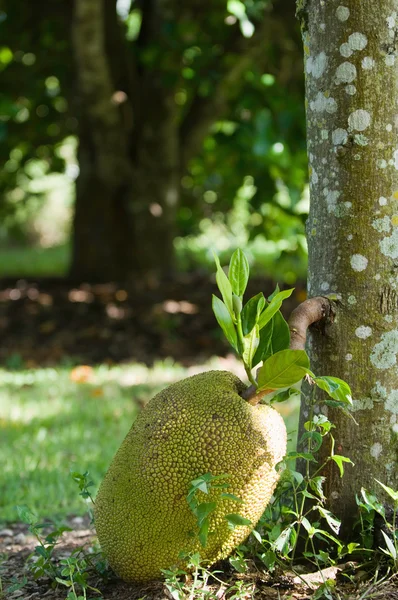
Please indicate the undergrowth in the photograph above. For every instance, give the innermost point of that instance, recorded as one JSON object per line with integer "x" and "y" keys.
{"x": 297, "y": 533}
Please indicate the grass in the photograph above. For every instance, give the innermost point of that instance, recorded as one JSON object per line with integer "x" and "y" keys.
{"x": 53, "y": 421}
{"x": 34, "y": 262}
{"x": 281, "y": 260}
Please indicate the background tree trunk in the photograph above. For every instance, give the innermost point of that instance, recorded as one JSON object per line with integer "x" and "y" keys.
{"x": 351, "y": 82}
{"x": 126, "y": 227}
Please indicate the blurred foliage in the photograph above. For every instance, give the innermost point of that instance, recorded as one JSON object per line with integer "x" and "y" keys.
{"x": 36, "y": 70}
{"x": 259, "y": 159}
{"x": 245, "y": 186}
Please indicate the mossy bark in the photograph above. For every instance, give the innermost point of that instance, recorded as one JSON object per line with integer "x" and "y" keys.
{"x": 352, "y": 120}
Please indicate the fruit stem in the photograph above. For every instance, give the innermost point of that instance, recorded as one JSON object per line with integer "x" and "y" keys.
{"x": 253, "y": 396}
{"x": 321, "y": 310}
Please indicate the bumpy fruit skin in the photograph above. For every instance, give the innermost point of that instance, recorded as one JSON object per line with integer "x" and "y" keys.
{"x": 199, "y": 425}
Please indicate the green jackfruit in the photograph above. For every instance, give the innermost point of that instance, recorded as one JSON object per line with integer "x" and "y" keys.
{"x": 199, "y": 425}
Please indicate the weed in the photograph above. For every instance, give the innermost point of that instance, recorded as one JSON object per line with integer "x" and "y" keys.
{"x": 203, "y": 510}
{"x": 72, "y": 572}
{"x": 378, "y": 525}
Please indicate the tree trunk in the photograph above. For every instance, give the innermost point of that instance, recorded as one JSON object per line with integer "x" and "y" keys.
{"x": 352, "y": 121}
{"x": 126, "y": 228}
{"x": 102, "y": 231}
{"x": 127, "y": 190}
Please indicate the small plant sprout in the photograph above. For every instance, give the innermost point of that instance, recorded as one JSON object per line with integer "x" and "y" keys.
{"x": 203, "y": 510}
{"x": 73, "y": 571}
{"x": 84, "y": 482}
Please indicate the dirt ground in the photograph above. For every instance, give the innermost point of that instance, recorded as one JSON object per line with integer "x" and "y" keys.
{"x": 16, "y": 544}
{"x": 51, "y": 321}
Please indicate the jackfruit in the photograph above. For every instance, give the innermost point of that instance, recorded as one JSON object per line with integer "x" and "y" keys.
{"x": 196, "y": 426}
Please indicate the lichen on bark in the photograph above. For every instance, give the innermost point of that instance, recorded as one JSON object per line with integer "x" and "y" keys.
{"x": 352, "y": 123}
{"x": 302, "y": 14}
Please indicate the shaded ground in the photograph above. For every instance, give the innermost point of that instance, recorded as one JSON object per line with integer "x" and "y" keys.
{"x": 18, "y": 583}
{"x": 16, "y": 543}
{"x": 45, "y": 322}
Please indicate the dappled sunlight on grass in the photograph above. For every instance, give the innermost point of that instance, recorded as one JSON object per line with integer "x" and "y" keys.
{"x": 53, "y": 421}
{"x": 34, "y": 262}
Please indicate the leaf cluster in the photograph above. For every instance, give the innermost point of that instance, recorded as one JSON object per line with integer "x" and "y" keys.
{"x": 259, "y": 333}
{"x": 203, "y": 510}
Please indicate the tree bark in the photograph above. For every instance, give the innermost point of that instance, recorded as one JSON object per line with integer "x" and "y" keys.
{"x": 126, "y": 227}
{"x": 351, "y": 82}
{"x": 128, "y": 187}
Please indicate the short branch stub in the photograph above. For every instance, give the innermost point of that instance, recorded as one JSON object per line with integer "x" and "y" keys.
{"x": 320, "y": 310}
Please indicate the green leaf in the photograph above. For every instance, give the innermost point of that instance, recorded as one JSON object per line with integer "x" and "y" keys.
{"x": 203, "y": 511}
{"x": 238, "y": 272}
{"x": 257, "y": 536}
{"x": 63, "y": 581}
{"x": 351, "y": 547}
{"x": 264, "y": 344}
{"x": 251, "y": 311}
{"x": 285, "y": 395}
{"x": 227, "y": 496}
{"x": 235, "y": 520}
{"x": 315, "y": 440}
{"x": 280, "y": 334}
{"x": 371, "y": 502}
{"x": 324, "y": 533}
{"x": 319, "y": 422}
{"x": 204, "y": 533}
{"x": 42, "y": 551}
{"x": 204, "y": 482}
{"x": 335, "y": 387}
{"x": 225, "y": 321}
{"x": 194, "y": 560}
{"x": 273, "y": 307}
{"x": 308, "y": 495}
{"x": 269, "y": 559}
{"x": 339, "y": 460}
{"x": 26, "y": 515}
{"x": 304, "y": 455}
{"x": 283, "y": 369}
{"x": 274, "y": 293}
{"x": 333, "y": 522}
{"x": 250, "y": 345}
{"x": 296, "y": 476}
{"x": 237, "y": 305}
{"x": 224, "y": 286}
{"x": 390, "y": 491}
{"x": 391, "y": 548}
{"x": 279, "y": 339}
{"x": 316, "y": 484}
{"x": 238, "y": 563}
{"x": 283, "y": 539}
{"x": 307, "y": 526}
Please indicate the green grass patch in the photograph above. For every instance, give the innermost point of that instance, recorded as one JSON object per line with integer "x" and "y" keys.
{"x": 34, "y": 262}
{"x": 53, "y": 421}
{"x": 279, "y": 260}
